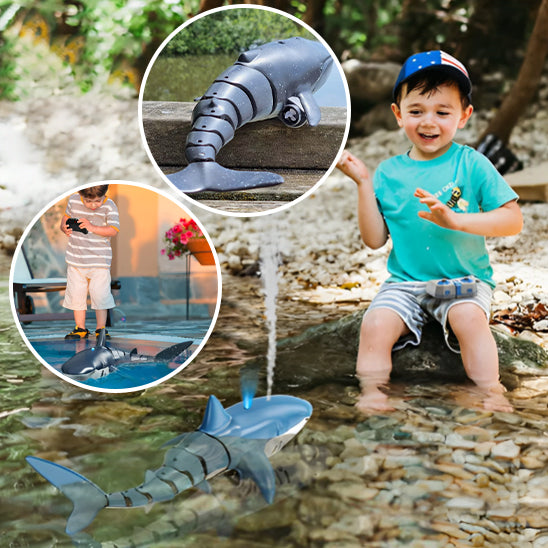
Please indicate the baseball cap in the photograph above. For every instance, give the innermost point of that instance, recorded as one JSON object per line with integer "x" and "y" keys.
{"x": 434, "y": 60}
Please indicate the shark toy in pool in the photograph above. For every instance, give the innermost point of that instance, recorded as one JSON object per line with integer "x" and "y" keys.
{"x": 100, "y": 360}
{"x": 228, "y": 439}
{"x": 277, "y": 79}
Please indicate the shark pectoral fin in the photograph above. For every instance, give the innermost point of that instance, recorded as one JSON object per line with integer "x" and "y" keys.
{"x": 86, "y": 497}
{"x": 255, "y": 465}
{"x": 202, "y": 176}
{"x": 311, "y": 108}
{"x": 169, "y": 354}
{"x": 204, "y": 487}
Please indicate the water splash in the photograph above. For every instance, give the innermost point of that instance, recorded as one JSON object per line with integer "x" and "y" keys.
{"x": 270, "y": 260}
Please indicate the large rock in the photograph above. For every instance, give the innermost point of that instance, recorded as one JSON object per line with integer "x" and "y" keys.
{"x": 327, "y": 353}
{"x": 370, "y": 82}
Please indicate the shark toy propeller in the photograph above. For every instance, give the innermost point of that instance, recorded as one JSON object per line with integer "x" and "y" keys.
{"x": 100, "y": 360}
{"x": 228, "y": 439}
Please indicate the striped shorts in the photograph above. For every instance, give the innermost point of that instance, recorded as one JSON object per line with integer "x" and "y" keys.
{"x": 416, "y": 307}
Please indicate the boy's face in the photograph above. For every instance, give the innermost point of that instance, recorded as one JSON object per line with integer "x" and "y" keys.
{"x": 93, "y": 203}
{"x": 430, "y": 121}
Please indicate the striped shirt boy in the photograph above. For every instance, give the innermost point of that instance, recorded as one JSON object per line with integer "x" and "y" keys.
{"x": 91, "y": 250}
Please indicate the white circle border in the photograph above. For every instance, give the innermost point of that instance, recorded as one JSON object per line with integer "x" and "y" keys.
{"x": 252, "y": 213}
{"x": 95, "y": 388}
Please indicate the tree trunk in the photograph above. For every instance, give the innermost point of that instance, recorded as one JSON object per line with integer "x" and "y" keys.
{"x": 314, "y": 16}
{"x": 206, "y": 5}
{"x": 527, "y": 82}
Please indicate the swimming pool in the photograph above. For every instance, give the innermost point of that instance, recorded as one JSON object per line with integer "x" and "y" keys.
{"x": 147, "y": 338}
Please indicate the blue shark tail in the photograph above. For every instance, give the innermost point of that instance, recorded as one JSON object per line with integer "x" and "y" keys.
{"x": 200, "y": 176}
{"x": 86, "y": 497}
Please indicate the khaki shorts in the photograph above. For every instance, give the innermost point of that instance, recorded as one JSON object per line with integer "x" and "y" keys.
{"x": 80, "y": 280}
{"x": 416, "y": 307}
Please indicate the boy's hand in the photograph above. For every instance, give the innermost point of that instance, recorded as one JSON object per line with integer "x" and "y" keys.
{"x": 439, "y": 213}
{"x": 84, "y": 223}
{"x": 64, "y": 228}
{"x": 354, "y": 168}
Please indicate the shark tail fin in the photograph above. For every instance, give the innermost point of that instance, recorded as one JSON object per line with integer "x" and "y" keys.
{"x": 101, "y": 338}
{"x": 200, "y": 176}
{"x": 86, "y": 497}
{"x": 172, "y": 352}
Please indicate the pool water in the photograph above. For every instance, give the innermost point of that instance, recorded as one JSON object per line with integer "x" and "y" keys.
{"x": 57, "y": 351}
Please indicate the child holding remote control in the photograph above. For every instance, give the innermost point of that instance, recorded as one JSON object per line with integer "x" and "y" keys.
{"x": 437, "y": 202}
{"x": 94, "y": 218}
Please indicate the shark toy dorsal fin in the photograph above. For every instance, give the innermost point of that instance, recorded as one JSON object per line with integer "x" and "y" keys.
{"x": 101, "y": 338}
{"x": 215, "y": 417}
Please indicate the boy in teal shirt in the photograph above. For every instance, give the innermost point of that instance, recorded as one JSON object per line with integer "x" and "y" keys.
{"x": 437, "y": 202}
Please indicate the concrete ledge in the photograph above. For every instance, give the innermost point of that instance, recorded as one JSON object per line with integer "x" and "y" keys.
{"x": 267, "y": 144}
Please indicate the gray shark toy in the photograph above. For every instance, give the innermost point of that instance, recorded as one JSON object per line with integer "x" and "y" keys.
{"x": 100, "y": 360}
{"x": 277, "y": 79}
{"x": 228, "y": 439}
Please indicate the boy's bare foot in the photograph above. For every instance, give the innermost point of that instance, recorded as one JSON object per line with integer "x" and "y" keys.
{"x": 489, "y": 398}
{"x": 495, "y": 400}
{"x": 373, "y": 400}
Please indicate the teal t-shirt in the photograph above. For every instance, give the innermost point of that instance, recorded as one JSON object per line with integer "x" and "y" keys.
{"x": 462, "y": 178}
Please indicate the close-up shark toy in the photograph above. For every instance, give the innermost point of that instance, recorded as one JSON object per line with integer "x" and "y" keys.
{"x": 101, "y": 360}
{"x": 277, "y": 79}
{"x": 228, "y": 439}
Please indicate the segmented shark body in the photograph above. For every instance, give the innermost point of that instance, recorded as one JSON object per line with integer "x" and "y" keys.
{"x": 232, "y": 439}
{"x": 277, "y": 79}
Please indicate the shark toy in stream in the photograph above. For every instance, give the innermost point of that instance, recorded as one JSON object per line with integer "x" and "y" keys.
{"x": 277, "y": 79}
{"x": 100, "y": 360}
{"x": 228, "y": 439}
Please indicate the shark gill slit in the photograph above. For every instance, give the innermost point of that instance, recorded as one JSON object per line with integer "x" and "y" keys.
{"x": 272, "y": 88}
{"x": 149, "y": 497}
{"x": 127, "y": 500}
{"x": 249, "y": 96}
{"x": 172, "y": 485}
{"x": 203, "y": 463}
{"x": 187, "y": 474}
{"x": 223, "y": 446}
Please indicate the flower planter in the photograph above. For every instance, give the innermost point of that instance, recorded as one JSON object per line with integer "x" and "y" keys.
{"x": 201, "y": 250}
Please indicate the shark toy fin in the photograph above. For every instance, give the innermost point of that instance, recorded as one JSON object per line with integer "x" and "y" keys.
{"x": 86, "y": 497}
{"x": 101, "y": 338}
{"x": 215, "y": 417}
{"x": 172, "y": 352}
{"x": 311, "y": 108}
{"x": 149, "y": 476}
{"x": 200, "y": 176}
{"x": 255, "y": 465}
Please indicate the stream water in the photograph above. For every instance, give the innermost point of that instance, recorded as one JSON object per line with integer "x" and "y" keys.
{"x": 436, "y": 472}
